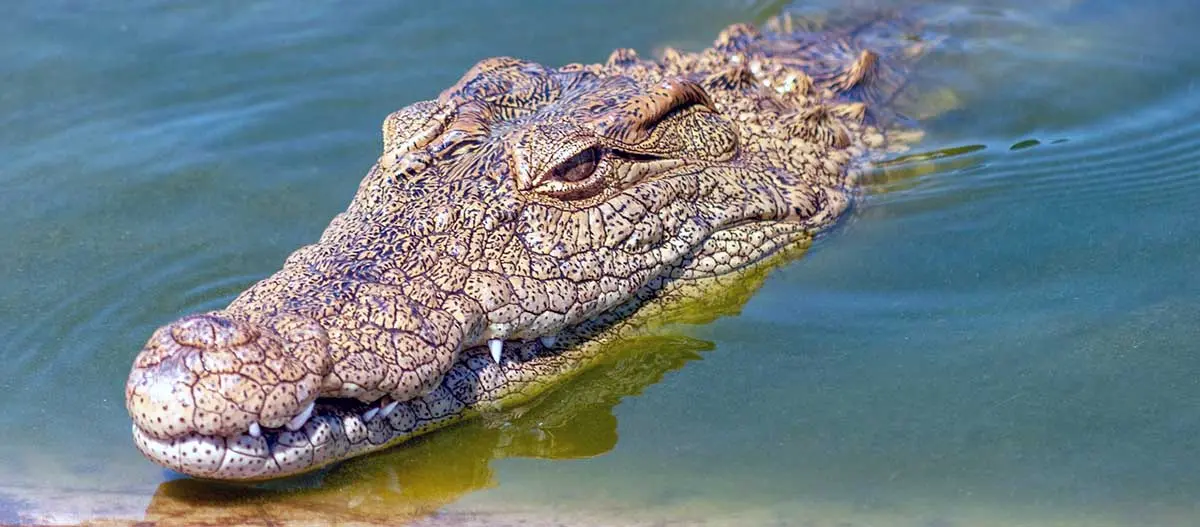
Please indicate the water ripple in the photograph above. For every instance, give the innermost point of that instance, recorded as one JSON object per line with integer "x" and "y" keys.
{"x": 1149, "y": 155}
{"x": 136, "y": 299}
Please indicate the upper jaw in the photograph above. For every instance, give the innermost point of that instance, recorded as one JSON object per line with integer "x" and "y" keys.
{"x": 238, "y": 371}
{"x": 221, "y": 375}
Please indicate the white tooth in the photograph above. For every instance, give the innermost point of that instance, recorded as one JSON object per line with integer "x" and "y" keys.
{"x": 549, "y": 341}
{"x": 301, "y": 418}
{"x": 370, "y": 414}
{"x": 496, "y": 346}
{"x": 387, "y": 410}
{"x": 255, "y": 430}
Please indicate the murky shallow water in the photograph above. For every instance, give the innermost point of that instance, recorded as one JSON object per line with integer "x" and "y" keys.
{"x": 1004, "y": 334}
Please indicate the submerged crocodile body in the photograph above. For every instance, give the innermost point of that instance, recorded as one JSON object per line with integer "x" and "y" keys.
{"x": 512, "y": 228}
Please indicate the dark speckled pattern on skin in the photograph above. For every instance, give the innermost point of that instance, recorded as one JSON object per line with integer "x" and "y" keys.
{"x": 548, "y": 209}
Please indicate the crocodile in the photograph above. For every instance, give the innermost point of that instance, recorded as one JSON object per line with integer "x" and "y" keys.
{"x": 514, "y": 227}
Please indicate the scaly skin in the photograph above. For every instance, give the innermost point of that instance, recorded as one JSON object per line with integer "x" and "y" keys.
{"x": 543, "y": 211}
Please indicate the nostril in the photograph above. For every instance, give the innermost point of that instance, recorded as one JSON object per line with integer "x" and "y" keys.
{"x": 212, "y": 330}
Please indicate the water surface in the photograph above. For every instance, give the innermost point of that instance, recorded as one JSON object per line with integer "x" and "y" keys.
{"x": 1003, "y": 333}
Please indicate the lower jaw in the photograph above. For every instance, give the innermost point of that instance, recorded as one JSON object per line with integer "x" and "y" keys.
{"x": 336, "y": 431}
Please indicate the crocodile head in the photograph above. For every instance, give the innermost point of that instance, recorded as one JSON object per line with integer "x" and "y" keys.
{"x": 507, "y": 225}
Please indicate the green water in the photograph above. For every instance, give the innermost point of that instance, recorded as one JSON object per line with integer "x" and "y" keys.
{"x": 1004, "y": 333}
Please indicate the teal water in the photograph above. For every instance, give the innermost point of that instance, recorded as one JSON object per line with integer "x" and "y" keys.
{"x": 1004, "y": 333}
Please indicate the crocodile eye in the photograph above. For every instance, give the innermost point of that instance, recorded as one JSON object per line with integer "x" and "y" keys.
{"x": 578, "y": 168}
{"x": 579, "y": 177}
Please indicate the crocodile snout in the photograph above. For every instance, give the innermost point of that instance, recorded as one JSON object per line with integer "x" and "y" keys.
{"x": 217, "y": 375}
